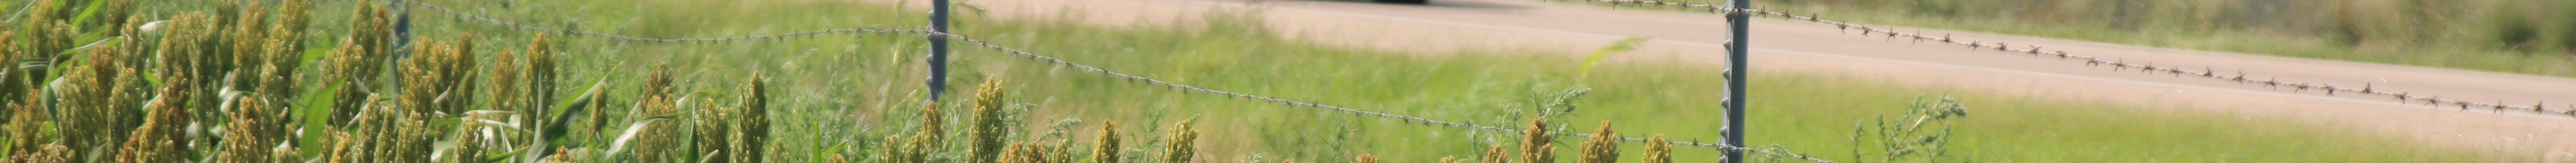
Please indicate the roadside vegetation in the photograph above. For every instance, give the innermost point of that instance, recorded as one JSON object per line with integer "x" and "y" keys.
{"x": 2512, "y": 36}
{"x": 331, "y": 91}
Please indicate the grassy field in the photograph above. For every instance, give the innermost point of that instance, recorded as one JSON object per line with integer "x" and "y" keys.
{"x": 850, "y": 97}
{"x": 2513, "y": 36}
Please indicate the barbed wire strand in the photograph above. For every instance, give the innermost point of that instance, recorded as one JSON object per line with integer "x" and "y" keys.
{"x": 2120, "y": 65}
{"x": 1094, "y": 69}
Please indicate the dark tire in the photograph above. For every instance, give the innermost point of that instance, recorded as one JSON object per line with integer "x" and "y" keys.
{"x": 1405, "y": 1}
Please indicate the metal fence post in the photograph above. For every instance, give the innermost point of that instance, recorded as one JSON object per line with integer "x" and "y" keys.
{"x": 938, "y": 81}
{"x": 1736, "y": 20}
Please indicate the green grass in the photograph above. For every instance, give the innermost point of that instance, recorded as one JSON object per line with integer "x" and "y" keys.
{"x": 2511, "y": 36}
{"x": 839, "y": 95}
{"x": 851, "y": 89}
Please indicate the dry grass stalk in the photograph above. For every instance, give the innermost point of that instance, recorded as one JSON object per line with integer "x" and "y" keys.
{"x": 988, "y": 130}
{"x": 1603, "y": 147}
{"x": 1659, "y": 149}
{"x": 1105, "y": 150}
{"x": 1365, "y": 158}
{"x": 1184, "y": 143}
{"x": 164, "y": 136}
{"x": 1449, "y": 159}
{"x": 1534, "y": 147}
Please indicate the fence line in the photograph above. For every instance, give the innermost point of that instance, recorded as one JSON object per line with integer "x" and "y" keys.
{"x": 2120, "y": 65}
{"x": 1097, "y": 70}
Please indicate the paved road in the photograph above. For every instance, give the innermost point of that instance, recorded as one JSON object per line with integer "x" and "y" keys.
{"x": 1782, "y": 46}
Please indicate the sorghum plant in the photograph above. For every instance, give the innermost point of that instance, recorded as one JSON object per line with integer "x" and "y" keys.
{"x": 1659, "y": 149}
{"x": 1603, "y": 147}
{"x": 1534, "y": 147}
{"x": 987, "y": 130}
{"x": 1184, "y": 144}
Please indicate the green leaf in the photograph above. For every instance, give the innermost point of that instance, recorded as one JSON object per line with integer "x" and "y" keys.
{"x": 94, "y": 42}
{"x": 316, "y": 113}
{"x": 629, "y": 135}
{"x": 85, "y": 14}
{"x": 585, "y": 98}
{"x": 313, "y": 55}
{"x": 1604, "y": 54}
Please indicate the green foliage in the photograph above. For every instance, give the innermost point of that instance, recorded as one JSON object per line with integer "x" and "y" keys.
{"x": 1598, "y": 56}
{"x": 1922, "y": 134}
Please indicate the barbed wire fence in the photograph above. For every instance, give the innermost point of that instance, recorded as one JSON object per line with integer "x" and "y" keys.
{"x": 2120, "y": 64}
{"x": 1095, "y": 70}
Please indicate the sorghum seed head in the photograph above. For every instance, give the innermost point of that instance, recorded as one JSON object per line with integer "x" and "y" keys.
{"x": 1184, "y": 143}
{"x": 1495, "y": 154}
{"x": 1659, "y": 149}
{"x": 987, "y": 130}
{"x": 1106, "y": 149}
{"x": 1534, "y": 147}
{"x": 1603, "y": 147}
